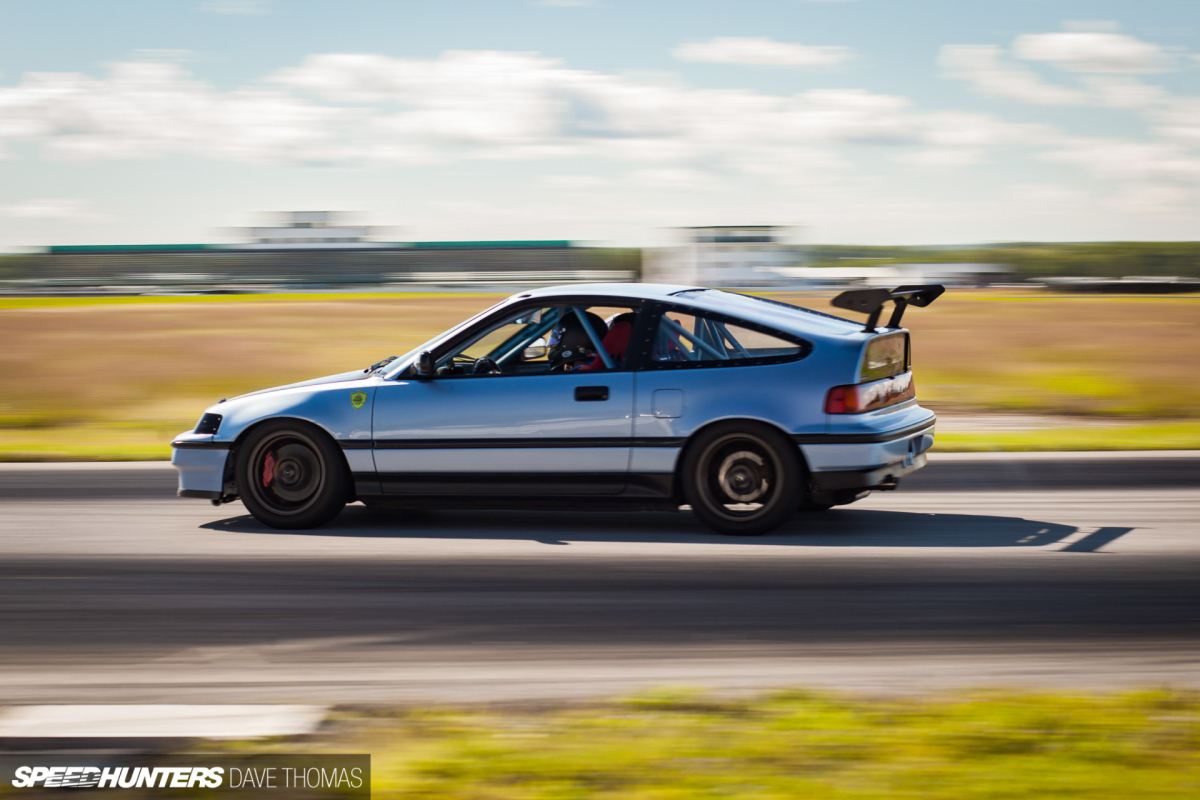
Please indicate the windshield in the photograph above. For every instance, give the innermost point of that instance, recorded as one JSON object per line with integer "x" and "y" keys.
{"x": 404, "y": 361}
{"x": 556, "y": 337}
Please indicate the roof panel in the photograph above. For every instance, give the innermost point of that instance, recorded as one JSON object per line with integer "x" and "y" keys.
{"x": 797, "y": 320}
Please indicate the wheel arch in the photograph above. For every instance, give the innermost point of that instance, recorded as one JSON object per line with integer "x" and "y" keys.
{"x": 244, "y": 435}
{"x": 676, "y": 478}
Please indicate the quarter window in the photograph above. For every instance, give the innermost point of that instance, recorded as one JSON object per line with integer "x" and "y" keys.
{"x": 684, "y": 339}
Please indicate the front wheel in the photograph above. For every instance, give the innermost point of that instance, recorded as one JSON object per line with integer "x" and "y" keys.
{"x": 741, "y": 479}
{"x": 291, "y": 476}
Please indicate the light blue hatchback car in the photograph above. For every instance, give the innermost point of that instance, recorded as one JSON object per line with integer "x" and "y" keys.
{"x": 592, "y": 396}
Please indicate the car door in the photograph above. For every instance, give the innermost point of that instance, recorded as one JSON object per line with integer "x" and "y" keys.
{"x": 564, "y": 433}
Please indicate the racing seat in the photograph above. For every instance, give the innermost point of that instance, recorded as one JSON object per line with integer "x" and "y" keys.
{"x": 615, "y": 342}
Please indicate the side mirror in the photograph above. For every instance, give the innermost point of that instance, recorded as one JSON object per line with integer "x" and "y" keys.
{"x": 536, "y": 350}
{"x": 425, "y": 365}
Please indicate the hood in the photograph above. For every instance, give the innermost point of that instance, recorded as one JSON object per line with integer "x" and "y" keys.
{"x": 341, "y": 377}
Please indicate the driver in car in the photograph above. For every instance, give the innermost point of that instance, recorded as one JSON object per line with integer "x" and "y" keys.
{"x": 570, "y": 346}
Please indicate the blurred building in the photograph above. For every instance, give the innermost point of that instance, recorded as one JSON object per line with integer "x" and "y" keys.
{"x": 726, "y": 255}
{"x": 310, "y": 230}
{"x": 314, "y": 250}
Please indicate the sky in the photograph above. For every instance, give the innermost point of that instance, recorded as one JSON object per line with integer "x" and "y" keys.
{"x": 601, "y": 121}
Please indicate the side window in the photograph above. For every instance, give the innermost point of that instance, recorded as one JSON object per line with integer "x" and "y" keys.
{"x": 538, "y": 341}
{"x": 685, "y": 339}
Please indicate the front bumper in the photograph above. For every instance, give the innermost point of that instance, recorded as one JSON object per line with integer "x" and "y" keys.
{"x": 201, "y": 465}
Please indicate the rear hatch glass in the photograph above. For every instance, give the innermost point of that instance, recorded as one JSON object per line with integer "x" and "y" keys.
{"x": 885, "y": 356}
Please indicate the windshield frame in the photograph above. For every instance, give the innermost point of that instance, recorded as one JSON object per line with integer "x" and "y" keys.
{"x": 463, "y": 330}
{"x": 396, "y": 369}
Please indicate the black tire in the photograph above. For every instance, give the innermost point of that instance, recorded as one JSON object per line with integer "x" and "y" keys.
{"x": 742, "y": 478}
{"x": 291, "y": 475}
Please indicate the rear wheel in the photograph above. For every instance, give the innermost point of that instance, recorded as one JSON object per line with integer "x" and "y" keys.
{"x": 742, "y": 479}
{"x": 291, "y": 476}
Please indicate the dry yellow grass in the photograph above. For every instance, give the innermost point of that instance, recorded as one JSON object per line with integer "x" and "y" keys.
{"x": 104, "y": 374}
{"x": 1046, "y": 353}
{"x": 160, "y": 363}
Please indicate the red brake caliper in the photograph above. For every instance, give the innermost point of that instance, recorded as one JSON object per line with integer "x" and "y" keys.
{"x": 268, "y": 469}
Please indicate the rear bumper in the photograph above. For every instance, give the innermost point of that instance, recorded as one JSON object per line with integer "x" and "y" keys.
{"x": 840, "y": 480}
{"x": 201, "y": 465}
{"x": 873, "y": 460}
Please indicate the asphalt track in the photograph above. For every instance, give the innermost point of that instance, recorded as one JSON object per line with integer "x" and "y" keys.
{"x": 1081, "y": 576}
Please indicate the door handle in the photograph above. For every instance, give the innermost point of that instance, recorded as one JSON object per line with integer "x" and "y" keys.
{"x": 585, "y": 394}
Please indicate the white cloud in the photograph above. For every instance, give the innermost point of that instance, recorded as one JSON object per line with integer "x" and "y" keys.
{"x": 50, "y": 208}
{"x": 1179, "y": 120}
{"x": 1144, "y": 163}
{"x": 521, "y": 104}
{"x": 1106, "y": 62}
{"x": 672, "y": 178}
{"x": 1093, "y": 51}
{"x": 760, "y": 51}
{"x": 574, "y": 182}
{"x": 940, "y": 157}
{"x": 985, "y": 67}
{"x": 1119, "y": 91}
{"x": 1151, "y": 174}
{"x": 144, "y": 110}
{"x": 237, "y": 7}
{"x": 348, "y": 109}
{"x": 359, "y": 109}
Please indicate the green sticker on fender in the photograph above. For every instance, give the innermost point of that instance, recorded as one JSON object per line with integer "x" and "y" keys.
{"x": 357, "y": 399}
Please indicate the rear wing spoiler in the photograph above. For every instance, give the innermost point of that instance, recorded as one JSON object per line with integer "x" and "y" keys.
{"x": 870, "y": 301}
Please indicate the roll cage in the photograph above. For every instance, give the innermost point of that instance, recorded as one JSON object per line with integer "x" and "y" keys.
{"x": 508, "y": 349}
{"x": 713, "y": 345}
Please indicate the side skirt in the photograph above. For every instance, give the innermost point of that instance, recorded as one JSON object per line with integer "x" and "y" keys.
{"x": 514, "y": 490}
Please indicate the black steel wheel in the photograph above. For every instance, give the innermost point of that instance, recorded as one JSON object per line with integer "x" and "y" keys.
{"x": 742, "y": 478}
{"x": 290, "y": 475}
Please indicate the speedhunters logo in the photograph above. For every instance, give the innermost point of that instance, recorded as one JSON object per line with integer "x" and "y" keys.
{"x": 122, "y": 777}
{"x": 281, "y": 776}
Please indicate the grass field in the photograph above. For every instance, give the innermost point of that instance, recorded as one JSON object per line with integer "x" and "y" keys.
{"x": 102, "y": 378}
{"x": 788, "y": 745}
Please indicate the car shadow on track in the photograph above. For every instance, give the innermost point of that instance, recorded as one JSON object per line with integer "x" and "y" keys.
{"x": 844, "y": 527}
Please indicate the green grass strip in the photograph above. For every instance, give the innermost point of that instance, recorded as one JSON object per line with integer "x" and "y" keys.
{"x": 1148, "y": 436}
{"x": 677, "y": 745}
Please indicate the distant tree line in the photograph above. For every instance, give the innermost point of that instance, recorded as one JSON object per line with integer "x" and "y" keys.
{"x": 1033, "y": 259}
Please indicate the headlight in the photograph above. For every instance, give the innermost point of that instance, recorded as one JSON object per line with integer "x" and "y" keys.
{"x": 209, "y": 424}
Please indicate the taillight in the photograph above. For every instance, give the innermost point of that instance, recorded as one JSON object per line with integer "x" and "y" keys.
{"x": 835, "y": 401}
{"x": 862, "y": 397}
